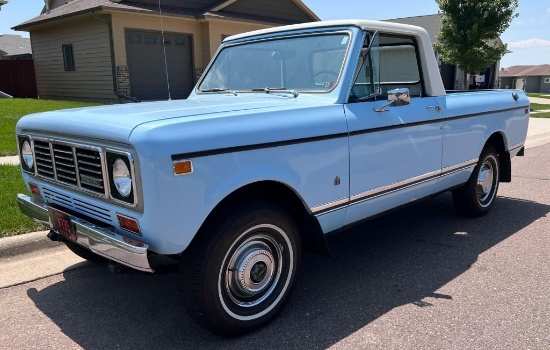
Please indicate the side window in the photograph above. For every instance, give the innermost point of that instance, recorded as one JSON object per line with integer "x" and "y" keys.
{"x": 367, "y": 72}
{"x": 393, "y": 63}
{"x": 68, "y": 57}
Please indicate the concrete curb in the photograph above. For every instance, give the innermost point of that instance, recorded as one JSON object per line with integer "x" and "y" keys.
{"x": 25, "y": 244}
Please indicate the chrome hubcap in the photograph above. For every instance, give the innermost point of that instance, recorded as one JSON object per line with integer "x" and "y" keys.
{"x": 485, "y": 181}
{"x": 253, "y": 270}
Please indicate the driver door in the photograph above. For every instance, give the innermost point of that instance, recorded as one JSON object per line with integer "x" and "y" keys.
{"x": 395, "y": 149}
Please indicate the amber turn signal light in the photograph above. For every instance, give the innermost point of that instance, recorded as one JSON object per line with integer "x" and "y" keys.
{"x": 183, "y": 167}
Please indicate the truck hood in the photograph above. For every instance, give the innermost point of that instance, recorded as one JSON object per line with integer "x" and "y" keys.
{"x": 116, "y": 122}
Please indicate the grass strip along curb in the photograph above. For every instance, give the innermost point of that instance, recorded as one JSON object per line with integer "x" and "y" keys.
{"x": 12, "y": 221}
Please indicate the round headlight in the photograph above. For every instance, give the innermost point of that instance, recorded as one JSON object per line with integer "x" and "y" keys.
{"x": 122, "y": 177}
{"x": 26, "y": 154}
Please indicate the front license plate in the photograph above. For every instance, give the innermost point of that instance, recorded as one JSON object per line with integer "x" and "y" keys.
{"x": 62, "y": 224}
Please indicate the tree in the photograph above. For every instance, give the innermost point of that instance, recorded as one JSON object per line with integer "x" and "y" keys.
{"x": 468, "y": 32}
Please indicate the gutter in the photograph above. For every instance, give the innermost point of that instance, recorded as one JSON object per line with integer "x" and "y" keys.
{"x": 113, "y": 68}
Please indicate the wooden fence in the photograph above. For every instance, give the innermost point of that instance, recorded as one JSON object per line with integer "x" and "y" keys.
{"x": 17, "y": 78}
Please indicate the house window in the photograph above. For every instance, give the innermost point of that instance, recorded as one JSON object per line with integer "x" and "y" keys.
{"x": 151, "y": 39}
{"x": 68, "y": 57}
{"x": 547, "y": 80}
{"x": 135, "y": 38}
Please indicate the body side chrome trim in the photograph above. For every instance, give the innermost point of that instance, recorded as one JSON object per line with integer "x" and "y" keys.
{"x": 458, "y": 167}
{"x": 329, "y": 206}
{"x": 385, "y": 190}
{"x": 515, "y": 147}
{"x": 389, "y": 188}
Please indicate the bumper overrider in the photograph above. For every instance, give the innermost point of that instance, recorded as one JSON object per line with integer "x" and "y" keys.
{"x": 97, "y": 239}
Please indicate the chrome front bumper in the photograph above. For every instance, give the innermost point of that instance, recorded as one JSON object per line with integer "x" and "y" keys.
{"x": 97, "y": 239}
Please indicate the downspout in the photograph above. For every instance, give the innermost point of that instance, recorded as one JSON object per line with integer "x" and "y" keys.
{"x": 113, "y": 68}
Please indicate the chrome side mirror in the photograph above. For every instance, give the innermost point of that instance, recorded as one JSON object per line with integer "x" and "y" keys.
{"x": 399, "y": 97}
{"x": 396, "y": 97}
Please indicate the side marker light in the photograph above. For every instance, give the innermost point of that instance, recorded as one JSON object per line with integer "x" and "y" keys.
{"x": 182, "y": 167}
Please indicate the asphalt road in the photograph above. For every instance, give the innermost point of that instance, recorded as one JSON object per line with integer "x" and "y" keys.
{"x": 419, "y": 278}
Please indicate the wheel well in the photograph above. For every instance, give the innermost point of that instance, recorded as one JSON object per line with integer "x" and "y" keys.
{"x": 497, "y": 141}
{"x": 311, "y": 234}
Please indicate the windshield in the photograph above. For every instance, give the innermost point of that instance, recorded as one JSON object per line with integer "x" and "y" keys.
{"x": 305, "y": 63}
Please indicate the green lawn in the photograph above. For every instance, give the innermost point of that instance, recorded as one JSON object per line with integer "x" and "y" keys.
{"x": 12, "y": 222}
{"x": 540, "y": 107}
{"x": 12, "y": 109}
{"x": 539, "y": 95}
{"x": 541, "y": 115}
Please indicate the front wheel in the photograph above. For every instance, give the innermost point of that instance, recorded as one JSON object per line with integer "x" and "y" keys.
{"x": 476, "y": 197}
{"x": 242, "y": 269}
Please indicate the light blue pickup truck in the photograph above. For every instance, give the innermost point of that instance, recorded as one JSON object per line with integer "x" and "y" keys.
{"x": 291, "y": 133}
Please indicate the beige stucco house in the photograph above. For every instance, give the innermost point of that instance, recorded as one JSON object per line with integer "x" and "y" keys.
{"x": 101, "y": 50}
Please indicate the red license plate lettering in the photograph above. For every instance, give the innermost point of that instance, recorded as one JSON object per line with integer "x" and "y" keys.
{"x": 61, "y": 223}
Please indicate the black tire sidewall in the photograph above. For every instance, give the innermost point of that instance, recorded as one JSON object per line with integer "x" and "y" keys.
{"x": 228, "y": 239}
{"x": 492, "y": 157}
{"x": 466, "y": 198}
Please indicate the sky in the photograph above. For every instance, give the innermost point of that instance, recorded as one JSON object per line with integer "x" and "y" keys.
{"x": 528, "y": 37}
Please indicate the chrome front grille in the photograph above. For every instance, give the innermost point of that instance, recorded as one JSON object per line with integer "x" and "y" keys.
{"x": 43, "y": 155}
{"x": 64, "y": 164}
{"x": 90, "y": 170}
{"x": 70, "y": 164}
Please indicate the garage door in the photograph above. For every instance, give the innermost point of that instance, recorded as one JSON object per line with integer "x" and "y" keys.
{"x": 145, "y": 54}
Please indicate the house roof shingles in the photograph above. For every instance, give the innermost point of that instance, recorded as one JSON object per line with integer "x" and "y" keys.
{"x": 83, "y": 6}
{"x": 431, "y": 23}
{"x": 526, "y": 71}
{"x": 76, "y": 7}
{"x": 11, "y": 45}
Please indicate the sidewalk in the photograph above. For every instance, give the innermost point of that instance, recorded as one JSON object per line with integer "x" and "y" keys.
{"x": 11, "y": 160}
{"x": 543, "y": 101}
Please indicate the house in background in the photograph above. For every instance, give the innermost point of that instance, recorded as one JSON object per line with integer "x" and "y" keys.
{"x": 17, "y": 76}
{"x": 528, "y": 78}
{"x": 100, "y": 50}
{"x": 14, "y": 47}
{"x": 451, "y": 75}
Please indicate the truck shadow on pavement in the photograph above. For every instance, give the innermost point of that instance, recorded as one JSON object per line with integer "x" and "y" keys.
{"x": 398, "y": 259}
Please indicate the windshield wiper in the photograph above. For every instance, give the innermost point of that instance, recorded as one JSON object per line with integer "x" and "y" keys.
{"x": 268, "y": 90}
{"x": 219, "y": 90}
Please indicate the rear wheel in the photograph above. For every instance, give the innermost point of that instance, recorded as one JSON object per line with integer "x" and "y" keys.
{"x": 477, "y": 196}
{"x": 242, "y": 269}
